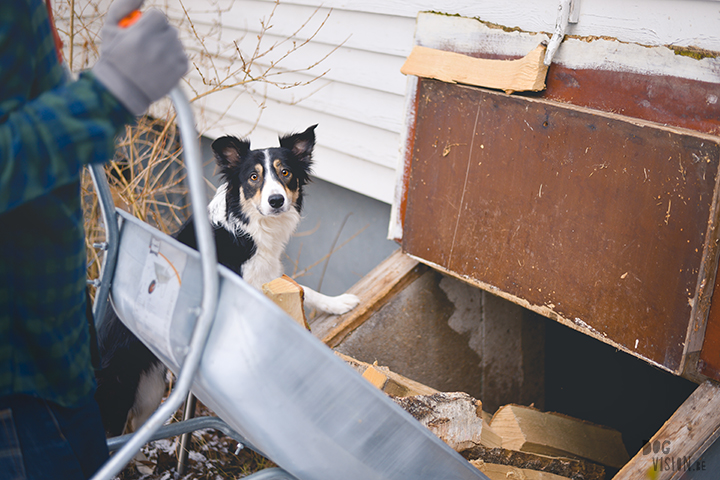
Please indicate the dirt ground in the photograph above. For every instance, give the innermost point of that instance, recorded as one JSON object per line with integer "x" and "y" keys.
{"x": 211, "y": 457}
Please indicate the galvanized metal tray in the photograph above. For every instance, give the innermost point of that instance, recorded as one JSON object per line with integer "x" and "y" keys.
{"x": 270, "y": 380}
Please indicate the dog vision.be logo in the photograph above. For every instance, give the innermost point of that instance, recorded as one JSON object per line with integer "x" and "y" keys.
{"x": 664, "y": 460}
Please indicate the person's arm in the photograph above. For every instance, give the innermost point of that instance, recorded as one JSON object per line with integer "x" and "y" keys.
{"x": 45, "y": 141}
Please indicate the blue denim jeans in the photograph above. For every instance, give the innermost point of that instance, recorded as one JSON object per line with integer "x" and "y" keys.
{"x": 42, "y": 440}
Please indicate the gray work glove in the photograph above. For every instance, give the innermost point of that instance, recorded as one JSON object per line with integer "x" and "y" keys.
{"x": 141, "y": 63}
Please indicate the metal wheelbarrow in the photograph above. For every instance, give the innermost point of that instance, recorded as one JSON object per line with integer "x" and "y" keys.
{"x": 275, "y": 387}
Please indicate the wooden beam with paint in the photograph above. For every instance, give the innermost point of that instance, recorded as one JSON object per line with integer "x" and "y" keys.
{"x": 524, "y": 74}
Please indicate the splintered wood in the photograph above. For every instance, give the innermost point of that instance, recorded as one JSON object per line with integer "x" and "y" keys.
{"x": 525, "y": 74}
{"x": 288, "y": 295}
{"x": 526, "y": 429}
{"x": 459, "y": 420}
{"x": 456, "y": 418}
{"x": 517, "y": 442}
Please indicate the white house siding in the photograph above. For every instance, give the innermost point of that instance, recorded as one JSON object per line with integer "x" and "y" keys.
{"x": 359, "y": 102}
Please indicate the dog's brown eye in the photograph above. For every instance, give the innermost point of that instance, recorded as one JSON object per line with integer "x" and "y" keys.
{"x": 284, "y": 172}
{"x": 254, "y": 177}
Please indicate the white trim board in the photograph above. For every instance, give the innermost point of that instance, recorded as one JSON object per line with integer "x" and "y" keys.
{"x": 471, "y": 35}
{"x": 647, "y": 22}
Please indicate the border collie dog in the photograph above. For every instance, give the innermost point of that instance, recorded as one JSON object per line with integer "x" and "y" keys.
{"x": 254, "y": 213}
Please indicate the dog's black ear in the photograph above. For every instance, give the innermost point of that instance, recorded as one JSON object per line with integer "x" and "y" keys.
{"x": 229, "y": 151}
{"x": 301, "y": 144}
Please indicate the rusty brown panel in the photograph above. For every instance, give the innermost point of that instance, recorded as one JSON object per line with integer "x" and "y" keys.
{"x": 591, "y": 217}
{"x": 663, "y": 99}
{"x": 668, "y": 100}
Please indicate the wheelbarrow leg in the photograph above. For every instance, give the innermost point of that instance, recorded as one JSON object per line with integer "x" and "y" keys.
{"x": 185, "y": 439}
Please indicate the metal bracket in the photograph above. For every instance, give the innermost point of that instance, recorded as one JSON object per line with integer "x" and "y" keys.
{"x": 568, "y": 12}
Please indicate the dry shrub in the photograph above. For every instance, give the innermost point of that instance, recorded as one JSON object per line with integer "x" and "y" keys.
{"x": 146, "y": 179}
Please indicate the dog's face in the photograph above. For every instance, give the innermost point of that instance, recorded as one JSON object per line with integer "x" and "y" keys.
{"x": 268, "y": 181}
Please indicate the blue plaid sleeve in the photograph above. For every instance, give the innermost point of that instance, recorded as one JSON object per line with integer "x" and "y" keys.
{"x": 48, "y": 129}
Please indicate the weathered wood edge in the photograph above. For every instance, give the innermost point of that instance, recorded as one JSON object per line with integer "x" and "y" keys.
{"x": 410, "y": 386}
{"x": 685, "y": 436}
{"x": 374, "y": 290}
{"x": 707, "y": 281}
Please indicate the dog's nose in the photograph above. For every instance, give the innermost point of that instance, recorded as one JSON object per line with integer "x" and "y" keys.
{"x": 276, "y": 201}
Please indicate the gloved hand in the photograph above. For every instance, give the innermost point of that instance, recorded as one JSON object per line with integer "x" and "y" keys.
{"x": 141, "y": 63}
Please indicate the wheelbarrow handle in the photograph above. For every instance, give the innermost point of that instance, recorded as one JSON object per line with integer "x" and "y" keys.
{"x": 210, "y": 288}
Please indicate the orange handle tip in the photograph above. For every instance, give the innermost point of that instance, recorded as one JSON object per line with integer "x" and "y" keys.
{"x": 131, "y": 18}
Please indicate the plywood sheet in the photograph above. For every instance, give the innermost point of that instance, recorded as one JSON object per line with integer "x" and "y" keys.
{"x": 589, "y": 218}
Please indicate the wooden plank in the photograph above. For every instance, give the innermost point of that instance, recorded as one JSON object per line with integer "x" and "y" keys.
{"x": 526, "y": 429}
{"x": 675, "y": 448}
{"x": 525, "y": 74}
{"x": 374, "y": 289}
{"x": 563, "y": 467}
{"x": 289, "y": 296}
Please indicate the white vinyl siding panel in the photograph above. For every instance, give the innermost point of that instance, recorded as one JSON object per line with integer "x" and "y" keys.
{"x": 358, "y": 103}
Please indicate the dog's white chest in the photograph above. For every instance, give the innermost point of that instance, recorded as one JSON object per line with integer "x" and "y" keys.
{"x": 270, "y": 235}
{"x": 262, "y": 268}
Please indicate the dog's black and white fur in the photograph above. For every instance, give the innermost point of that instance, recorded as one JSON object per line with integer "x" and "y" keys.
{"x": 254, "y": 213}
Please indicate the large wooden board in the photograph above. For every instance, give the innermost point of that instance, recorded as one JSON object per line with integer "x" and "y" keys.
{"x": 604, "y": 223}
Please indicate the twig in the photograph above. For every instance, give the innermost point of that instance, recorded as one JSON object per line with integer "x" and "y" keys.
{"x": 305, "y": 270}
{"x": 332, "y": 246}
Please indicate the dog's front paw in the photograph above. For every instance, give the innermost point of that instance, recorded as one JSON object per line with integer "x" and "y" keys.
{"x": 341, "y": 304}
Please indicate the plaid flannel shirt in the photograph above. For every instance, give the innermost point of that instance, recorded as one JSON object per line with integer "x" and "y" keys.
{"x": 48, "y": 130}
